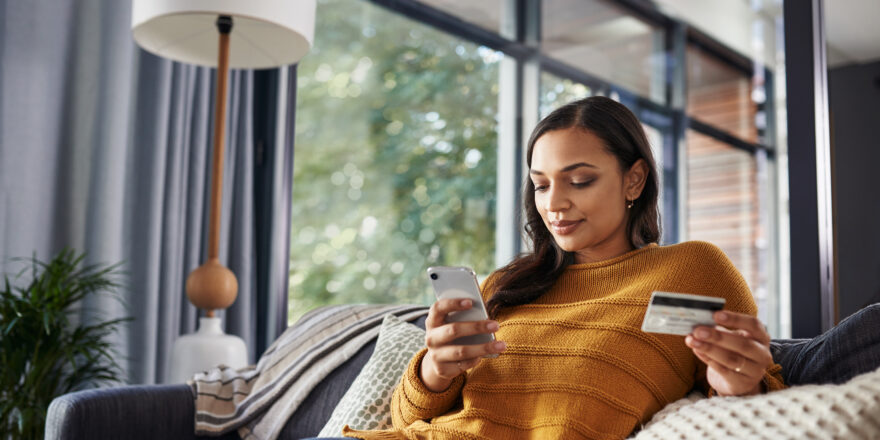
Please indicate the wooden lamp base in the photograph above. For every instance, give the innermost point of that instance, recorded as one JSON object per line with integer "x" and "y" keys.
{"x": 211, "y": 286}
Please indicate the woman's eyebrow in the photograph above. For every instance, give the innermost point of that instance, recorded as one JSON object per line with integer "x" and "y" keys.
{"x": 566, "y": 169}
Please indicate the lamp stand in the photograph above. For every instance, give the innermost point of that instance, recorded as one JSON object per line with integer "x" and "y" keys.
{"x": 212, "y": 286}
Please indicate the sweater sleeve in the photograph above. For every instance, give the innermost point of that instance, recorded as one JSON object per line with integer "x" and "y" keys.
{"x": 725, "y": 281}
{"x": 412, "y": 401}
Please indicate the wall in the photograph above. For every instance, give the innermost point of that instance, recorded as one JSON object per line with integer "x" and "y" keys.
{"x": 854, "y": 96}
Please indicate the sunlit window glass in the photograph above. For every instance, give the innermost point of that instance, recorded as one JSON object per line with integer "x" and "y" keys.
{"x": 484, "y": 13}
{"x": 395, "y": 163}
{"x": 556, "y": 92}
{"x": 723, "y": 205}
{"x": 604, "y": 40}
{"x": 721, "y": 95}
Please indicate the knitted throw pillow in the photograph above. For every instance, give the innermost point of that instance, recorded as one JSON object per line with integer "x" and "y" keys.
{"x": 847, "y": 411}
{"x": 367, "y": 403}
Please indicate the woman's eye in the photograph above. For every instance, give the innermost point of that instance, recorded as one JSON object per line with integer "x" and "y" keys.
{"x": 583, "y": 184}
{"x": 540, "y": 188}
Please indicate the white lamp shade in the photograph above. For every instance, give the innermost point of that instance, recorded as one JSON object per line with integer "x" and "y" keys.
{"x": 265, "y": 33}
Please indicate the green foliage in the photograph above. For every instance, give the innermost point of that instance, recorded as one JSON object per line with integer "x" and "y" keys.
{"x": 556, "y": 92}
{"x": 395, "y": 169}
{"x": 44, "y": 353}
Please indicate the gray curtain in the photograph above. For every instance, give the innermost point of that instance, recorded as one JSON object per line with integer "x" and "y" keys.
{"x": 106, "y": 148}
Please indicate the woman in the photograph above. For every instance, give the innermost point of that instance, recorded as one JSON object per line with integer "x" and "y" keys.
{"x": 573, "y": 361}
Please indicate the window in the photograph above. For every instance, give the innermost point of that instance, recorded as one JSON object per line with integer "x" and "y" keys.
{"x": 722, "y": 206}
{"x": 395, "y": 165}
{"x": 727, "y": 188}
{"x": 484, "y": 13}
{"x": 721, "y": 95}
{"x": 556, "y": 91}
{"x": 607, "y": 42}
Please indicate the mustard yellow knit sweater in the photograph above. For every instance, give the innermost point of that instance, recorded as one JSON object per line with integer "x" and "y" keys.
{"x": 577, "y": 364}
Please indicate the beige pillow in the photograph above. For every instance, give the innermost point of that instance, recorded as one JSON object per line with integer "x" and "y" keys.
{"x": 367, "y": 403}
{"x": 847, "y": 411}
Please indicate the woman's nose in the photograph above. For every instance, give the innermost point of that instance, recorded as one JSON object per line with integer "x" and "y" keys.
{"x": 557, "y": 200}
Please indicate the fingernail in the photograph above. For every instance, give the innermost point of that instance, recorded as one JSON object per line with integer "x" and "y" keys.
{"x": 702, "y": 333}
{"x": 722, "y": 316}
{"x": 696, "y": 343}
{"x": 492, "y": 326}
{"x": 498, "y": 346}
{"x": 465, "y": 303}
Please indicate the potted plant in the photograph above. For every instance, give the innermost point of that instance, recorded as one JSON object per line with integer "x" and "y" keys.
{"x": 45, "y": 350}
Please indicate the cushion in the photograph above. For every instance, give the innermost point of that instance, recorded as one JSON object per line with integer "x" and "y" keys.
{"x": 367, "y": 403}
{"x": 313, "y": 413}
{"x": 849, "y": 410}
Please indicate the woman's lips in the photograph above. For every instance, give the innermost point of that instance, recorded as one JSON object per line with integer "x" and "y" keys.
{"x": 565, "y": 227}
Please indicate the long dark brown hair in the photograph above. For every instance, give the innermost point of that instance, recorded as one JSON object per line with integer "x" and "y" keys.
{"x": 533, "y": 273}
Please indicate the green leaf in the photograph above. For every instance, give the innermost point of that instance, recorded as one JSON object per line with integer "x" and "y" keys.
{"x": 9, "y": 327}
{"x": 46, "y": 319}
{"x": 42, "y": 354}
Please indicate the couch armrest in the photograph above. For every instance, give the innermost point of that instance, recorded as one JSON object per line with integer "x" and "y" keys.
{"x": 129, "y": 412}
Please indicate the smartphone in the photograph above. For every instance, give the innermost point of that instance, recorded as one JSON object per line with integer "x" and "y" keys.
{"x": 461, "y": 282}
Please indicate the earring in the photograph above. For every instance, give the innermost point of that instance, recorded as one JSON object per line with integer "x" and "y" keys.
{"x": 629, "y": 205}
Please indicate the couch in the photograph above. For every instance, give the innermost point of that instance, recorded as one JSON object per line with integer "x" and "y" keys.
{"x": 167, "y": 411}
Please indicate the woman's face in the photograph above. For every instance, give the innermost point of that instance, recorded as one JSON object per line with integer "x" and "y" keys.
{"x": 581, "y": 193}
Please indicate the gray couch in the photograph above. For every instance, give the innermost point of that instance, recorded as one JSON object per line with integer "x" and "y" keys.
{"x": 167, "y": 411}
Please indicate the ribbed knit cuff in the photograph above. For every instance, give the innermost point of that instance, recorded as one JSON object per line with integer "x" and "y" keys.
{"x": 372, "y": 435}
{"x": 772, "y": 380}
{"x": 422, "y": 402}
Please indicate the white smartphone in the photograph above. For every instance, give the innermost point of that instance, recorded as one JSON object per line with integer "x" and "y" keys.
{"x": 461, "y": 282}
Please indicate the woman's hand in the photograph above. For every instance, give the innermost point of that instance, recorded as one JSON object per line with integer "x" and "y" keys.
{"x": 444, "y": 361}
{"x": 737, "y": 352}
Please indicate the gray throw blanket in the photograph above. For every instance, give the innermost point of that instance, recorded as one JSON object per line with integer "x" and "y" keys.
{"x": 258, "y": 400}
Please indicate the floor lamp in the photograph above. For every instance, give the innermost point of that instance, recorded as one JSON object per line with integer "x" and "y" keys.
{"x": 248, "y": 34}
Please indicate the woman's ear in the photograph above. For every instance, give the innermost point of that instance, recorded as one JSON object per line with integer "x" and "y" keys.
{"x": 635, "y": 178}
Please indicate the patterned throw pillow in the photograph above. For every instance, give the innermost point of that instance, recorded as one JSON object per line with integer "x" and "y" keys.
{"x": 367, "y": 403}
{"x": 847, "y": 411}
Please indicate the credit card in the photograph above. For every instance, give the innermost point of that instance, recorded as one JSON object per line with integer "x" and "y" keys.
{"x": 678, "y": 313}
